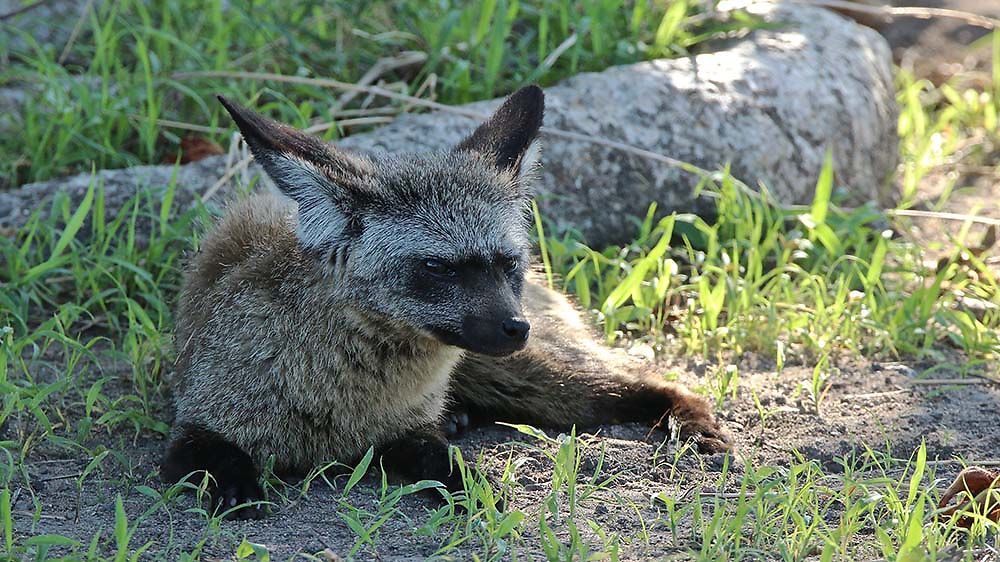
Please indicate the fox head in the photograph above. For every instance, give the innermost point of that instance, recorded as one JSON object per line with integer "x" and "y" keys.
{"x": 437, "y": 242}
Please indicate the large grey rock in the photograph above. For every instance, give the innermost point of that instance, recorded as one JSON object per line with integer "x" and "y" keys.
{"x": 49, "y": 24}
{"x": 770, "y": 104}
{"x": 119, "y": 187}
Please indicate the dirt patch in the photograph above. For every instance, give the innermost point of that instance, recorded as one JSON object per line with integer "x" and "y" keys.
{"x": 867, "y": 404}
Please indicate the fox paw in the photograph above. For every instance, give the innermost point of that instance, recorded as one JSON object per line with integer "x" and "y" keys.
{"x": 695, "y": 421}
{"x": 456, "y": 423}
{"x": 234, "y": 476}
{"x": 246, "y": 493}
{"x": 707, "y": 433}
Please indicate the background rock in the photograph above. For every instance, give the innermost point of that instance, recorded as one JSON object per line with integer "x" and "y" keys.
{"x": 770, "y": 104}
{"x": 49, "y": 23}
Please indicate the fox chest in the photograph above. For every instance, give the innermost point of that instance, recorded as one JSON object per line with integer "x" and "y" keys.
{"x": 364, "y": 397}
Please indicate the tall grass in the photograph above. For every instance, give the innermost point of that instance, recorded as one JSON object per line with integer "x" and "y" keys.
{"x": 763, "y": 278}
{"x": 104, "y": 104}
{"x": 79, "y": 293}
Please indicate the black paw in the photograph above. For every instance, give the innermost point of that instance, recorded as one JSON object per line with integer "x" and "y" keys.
{"x": 234, "y": 475}
{"x": 456, "y": 423}
{"x": 238, "y": 499}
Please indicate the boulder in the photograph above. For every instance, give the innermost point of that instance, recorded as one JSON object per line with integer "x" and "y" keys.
{"x": 46, "y": 23}
{"x": 770, "y": 104}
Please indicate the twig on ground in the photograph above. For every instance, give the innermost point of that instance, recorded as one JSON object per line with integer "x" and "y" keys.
{"x": 941, "y": 462}
{"x": 22, "y": 10}
{"x": 76, "y": 31}
{"x": 877, "y": 394}
{"x": 558, "y": 51}
{"x": 721, "y": 495}
{"x": 40, "y": 516}
{"x": 54, "y": 461}
{"x": 919, "y": 12}
{"x": 170, "y": 124}
{"x": 373, "y": 120}
{"x": 60, "y": 477}
{"x": 380, "y": 68}
{"x": 942, "y": 215}
{"x": 365, "y": 112}
{"x": 946, "y": 382}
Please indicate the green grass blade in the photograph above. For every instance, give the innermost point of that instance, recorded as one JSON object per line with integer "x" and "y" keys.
{"x": 359, "y": 471}
{"x": 824, "y": 190}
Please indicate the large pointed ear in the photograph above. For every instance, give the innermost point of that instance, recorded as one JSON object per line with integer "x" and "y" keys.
{"x": 508, "y": 138}
{"x": 325, "y": 182}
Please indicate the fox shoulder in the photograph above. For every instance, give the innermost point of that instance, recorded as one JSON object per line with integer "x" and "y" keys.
{"x": 253, "y": 235}
{"x": 252, "y": 250}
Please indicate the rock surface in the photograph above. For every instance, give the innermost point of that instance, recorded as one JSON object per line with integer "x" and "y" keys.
{"x": 770, "y": 104}
{"x": 48, "y": 23}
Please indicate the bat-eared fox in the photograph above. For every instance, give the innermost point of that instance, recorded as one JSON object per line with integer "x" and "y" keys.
{"x": 377, "y": 298}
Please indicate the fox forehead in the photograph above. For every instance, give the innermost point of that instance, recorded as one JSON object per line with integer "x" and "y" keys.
{"x": 434, "y": 231}
{"x": 448, "y": 179}
{"x": 448, "y": 205}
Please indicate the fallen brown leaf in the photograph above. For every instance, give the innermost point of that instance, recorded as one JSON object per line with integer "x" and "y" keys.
{"x": 978, "y": 490}
{"x": 192, "y": 149}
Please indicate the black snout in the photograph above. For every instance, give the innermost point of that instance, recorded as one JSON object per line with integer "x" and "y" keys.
{"x": 516, "y": 328}
{"x": 495, "y": 335}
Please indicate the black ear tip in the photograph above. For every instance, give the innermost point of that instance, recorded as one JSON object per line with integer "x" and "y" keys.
{"x": 248, "y": 122}
{"x": 531, "y": 96}
{"x": 232, "y": 107}
{"x": 534, "y": 90}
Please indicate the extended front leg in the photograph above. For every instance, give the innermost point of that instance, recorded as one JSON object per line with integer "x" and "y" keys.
{"x": 649, "y": 399}
{"x": 234, "y": 475}
{"x": 565, "y": 377}
{"x": 536, "y": 387}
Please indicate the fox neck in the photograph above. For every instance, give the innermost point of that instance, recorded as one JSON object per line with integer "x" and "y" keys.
{"x": 393, "y": 364}
{"x": 374, "y": 344}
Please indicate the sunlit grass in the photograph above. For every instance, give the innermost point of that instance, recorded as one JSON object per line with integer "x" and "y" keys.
{"x": 103, "y": 104}
{"x": 771, "y": 280}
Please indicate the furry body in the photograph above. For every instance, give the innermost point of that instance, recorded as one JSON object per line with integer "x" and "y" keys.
{"x": 329, "y": 381}
{"x": 375, "y": 295}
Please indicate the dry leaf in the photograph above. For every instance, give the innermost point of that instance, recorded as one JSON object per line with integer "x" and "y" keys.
{"x": 192, "y": 149}
{"x": 978, "y": 491}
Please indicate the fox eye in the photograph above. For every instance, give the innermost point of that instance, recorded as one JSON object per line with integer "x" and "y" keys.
{"x": 438, "y": 267}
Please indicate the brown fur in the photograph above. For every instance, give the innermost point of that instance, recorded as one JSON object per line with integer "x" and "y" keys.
{"x": 261, "y": 337}
{"x": 314, "y": 326}
{"x": 271, "y": 360}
